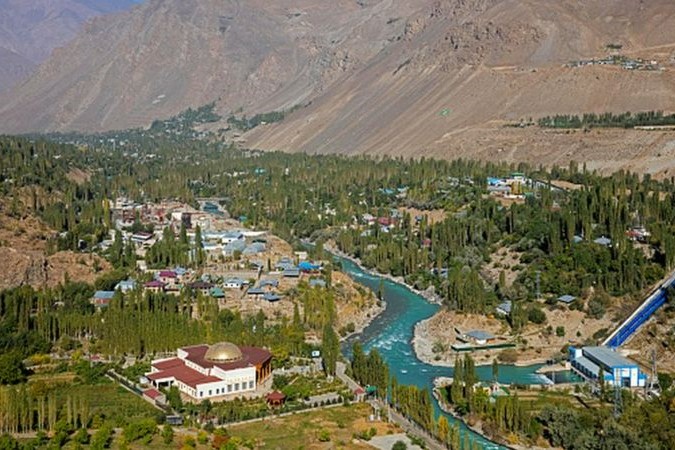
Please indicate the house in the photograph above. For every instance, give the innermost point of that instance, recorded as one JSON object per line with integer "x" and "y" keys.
{"x": 368, "y": 219}
{"x": 290, "y": 273}
{"x": 154, "y": 286}
{"x": 231, "y": 236}
{"x": 217, "y": 372}
{"x": 125, "y": 286}
{"x": 141, "y": 238}
{"x": 217, "y": 292}
{"x": 234, "y": 283}
{"x": 167, "y": 277}
{"x": 308, "y": 267}
{"x": 604, "y": 241}
{"x": 232, "y": 247}
{"x": 317, "y": 282}
{"x": 254, "y": 249}
{"x": 504, "y": 308}
{"x": 256, "y": 291}
{"x": 271, "y": 297}
{"x": 480, "y": 337}
{"x": 616, "y": 370}
{"x": 285, "y": 263}
{"x": 201, "y": 286}
{"x": 268, "y": 283}
{"x": 567, "y": 299}
{"x": 102, "y": 298}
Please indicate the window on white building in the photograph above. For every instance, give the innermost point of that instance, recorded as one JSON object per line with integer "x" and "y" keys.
{"x": 250, "y": 384}
{"x": 229, "y": 388}
{"x": 236, "y": 386}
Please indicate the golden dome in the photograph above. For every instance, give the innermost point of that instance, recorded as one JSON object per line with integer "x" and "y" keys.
{"x": 223, "y": 352}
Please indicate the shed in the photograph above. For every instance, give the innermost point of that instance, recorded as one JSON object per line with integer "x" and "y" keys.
{"x": 480, "y": 336}
{"x": 504, "y": 308}
{"x": 567, "y": 298}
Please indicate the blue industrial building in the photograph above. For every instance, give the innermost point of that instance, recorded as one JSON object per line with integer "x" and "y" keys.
{"x": 589, "y": 362}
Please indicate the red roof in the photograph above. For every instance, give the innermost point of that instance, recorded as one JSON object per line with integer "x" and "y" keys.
{"x": 152, "y": 393}
{"x": 183, "y": 374}
{"x": 167, "y": 274}
{"x": 276, "y": 396}
{"x": 154, "y": 284}
{"x": 359, "y": 391}
{"x": 252, "y": 356}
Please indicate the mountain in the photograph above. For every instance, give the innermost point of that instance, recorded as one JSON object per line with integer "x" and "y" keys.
{"x": 166, "y": 55}
{"x": 31, "y": 29}
{"x": 458, "y": 75}
{"x": 418, "y": 77}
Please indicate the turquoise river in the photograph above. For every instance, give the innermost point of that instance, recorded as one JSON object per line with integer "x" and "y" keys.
{"x": 392, "y": 332}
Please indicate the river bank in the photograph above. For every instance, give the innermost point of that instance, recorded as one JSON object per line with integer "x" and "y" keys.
{"x": 427, "y": 295}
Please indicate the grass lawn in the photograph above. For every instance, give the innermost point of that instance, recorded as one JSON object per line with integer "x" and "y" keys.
{"x": 304, "y": 430}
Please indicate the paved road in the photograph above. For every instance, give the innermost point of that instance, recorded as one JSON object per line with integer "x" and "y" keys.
{"x": 396, "y": 418}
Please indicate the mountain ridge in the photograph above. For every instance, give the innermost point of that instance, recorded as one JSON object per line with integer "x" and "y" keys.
{"x": 422, "y": 77}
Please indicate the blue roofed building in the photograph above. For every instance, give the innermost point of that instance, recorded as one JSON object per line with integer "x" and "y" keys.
{"x": 102, "y": 298}
{"x": 271, "y": 297}
{"x": 125, "y": 286}
{"x": 616, "y": 370}
{"x": 307, "y": 266}
{"x": 291, "y": 273}
{"x": 567, "y": 299}
{"x": 317, "y": 282}
{"x": 480, "y": 337}
{"x": 504, "y": 308}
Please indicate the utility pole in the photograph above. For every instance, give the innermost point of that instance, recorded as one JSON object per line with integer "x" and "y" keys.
{"x": 538, "y": 283}
{"x": 618, "y": 399}
{"x": 654, "y": 377}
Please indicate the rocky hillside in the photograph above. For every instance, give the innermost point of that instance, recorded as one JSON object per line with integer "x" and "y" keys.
{"x": 166, "y": 55}
{"x": 31, "y": 29}
{"x": 457, "y": 75}
{"x": 417, "y": 77}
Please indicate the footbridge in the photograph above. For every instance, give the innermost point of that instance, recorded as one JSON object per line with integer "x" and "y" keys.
{"x": 652, "y": 303}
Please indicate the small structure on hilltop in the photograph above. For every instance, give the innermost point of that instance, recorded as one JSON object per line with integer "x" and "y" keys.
{"x": 567, "y": 299}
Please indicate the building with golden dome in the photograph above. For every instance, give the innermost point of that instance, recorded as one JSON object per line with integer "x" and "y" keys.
{"x": 215, "y": 372}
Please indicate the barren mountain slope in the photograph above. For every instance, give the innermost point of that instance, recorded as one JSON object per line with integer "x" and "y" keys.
{"x": 445, "y": 88}
{"x": 31, "y": 29}
{"x": 166, "y": 55}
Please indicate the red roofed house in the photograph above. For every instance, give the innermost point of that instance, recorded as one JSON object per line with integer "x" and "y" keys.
{"x": 154, "y": 286}
{"x": 168, "y": 277}
{"x": 219, "y": 370}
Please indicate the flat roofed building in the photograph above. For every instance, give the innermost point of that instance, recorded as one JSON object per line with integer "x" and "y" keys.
{"x": 213, "y": 372}
{"x": 590, "y": 362}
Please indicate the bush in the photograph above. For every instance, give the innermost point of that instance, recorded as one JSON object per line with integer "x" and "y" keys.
{"x": 536, "y": 315}
{"x": 324, "y": 435}
{"x": 142, "y": 430}
{"x": 560, "y": 331}
{"x": 399, "y": 445}
{"x": 508, "y": 356}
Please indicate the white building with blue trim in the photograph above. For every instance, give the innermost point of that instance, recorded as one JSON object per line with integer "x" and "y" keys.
{"x": 589, "y": 362}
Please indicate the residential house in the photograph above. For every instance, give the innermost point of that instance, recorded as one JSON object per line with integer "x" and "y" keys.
{"x": 102, "y": 298}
